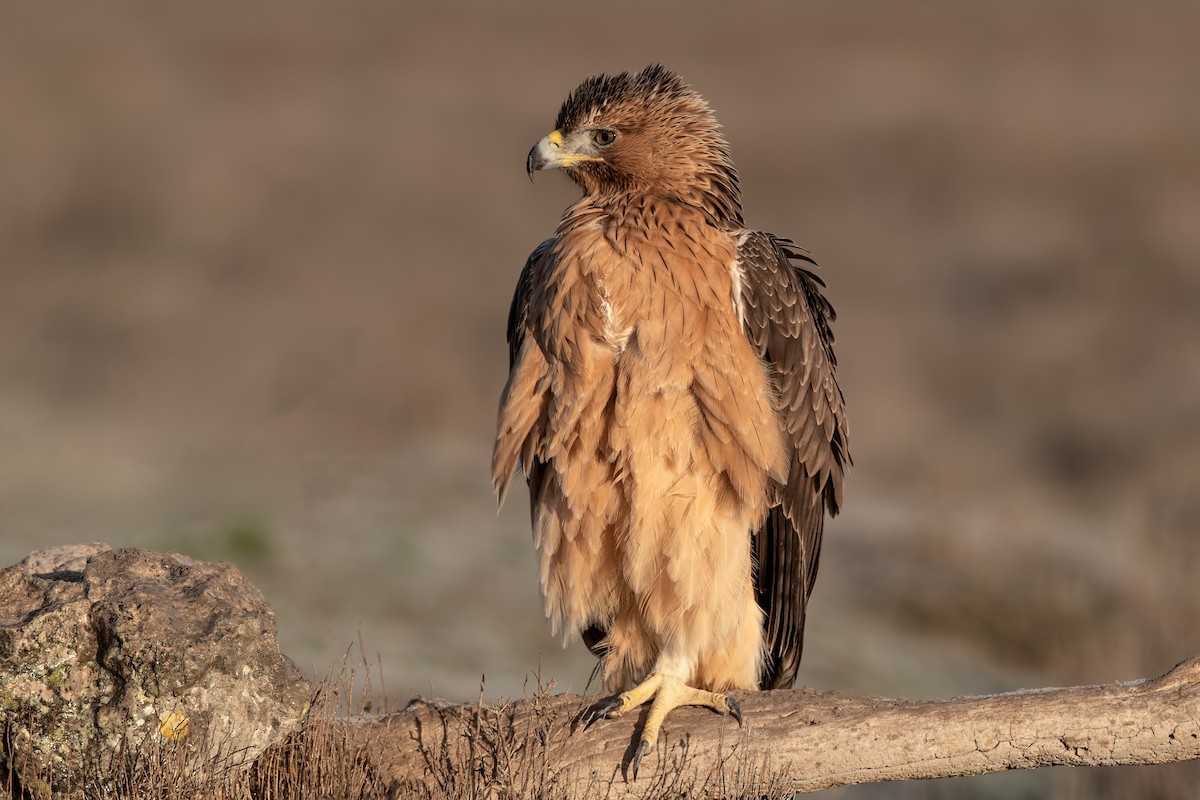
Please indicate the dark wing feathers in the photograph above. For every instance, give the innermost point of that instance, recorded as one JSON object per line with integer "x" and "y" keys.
{"x": 788, "y": 321}
{"x": 518, "y": 316}
{"x": 518, "y": 312}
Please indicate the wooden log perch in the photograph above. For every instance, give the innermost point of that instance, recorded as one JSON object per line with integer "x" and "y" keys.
{"x": 792, "y": 741}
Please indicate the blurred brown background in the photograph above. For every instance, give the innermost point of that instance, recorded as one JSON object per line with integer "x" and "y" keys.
{"x": 255, "y": 262}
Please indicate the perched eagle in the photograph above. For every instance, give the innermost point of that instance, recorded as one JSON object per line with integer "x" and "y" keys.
{"x": 673, "y": 404}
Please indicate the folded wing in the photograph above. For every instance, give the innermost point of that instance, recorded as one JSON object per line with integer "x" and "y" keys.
{"x": 787, "y": 319}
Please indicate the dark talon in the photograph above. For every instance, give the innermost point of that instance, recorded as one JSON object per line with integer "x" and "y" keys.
{"x": 642, "y": 749}
{"x": 601, "y": 710}
{"x": 735, "y": 709}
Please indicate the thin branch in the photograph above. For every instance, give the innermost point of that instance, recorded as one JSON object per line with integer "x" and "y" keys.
{"x": 793, "y": 741}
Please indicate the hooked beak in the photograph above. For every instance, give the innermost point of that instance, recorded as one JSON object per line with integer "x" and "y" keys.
{"x": 551, "y": 152}
{"x": 536, "y": 159}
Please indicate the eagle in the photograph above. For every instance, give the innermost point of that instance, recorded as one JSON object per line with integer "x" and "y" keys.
{"x": 673, "y": 404}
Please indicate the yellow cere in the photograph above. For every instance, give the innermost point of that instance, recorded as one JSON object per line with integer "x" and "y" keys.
{"x": 555, "y": 138}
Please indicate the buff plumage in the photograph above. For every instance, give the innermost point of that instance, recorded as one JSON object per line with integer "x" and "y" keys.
{"x": 672, "y": 400}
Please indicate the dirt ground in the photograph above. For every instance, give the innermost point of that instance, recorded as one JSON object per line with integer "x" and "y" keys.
{"x": 255, "y": 262}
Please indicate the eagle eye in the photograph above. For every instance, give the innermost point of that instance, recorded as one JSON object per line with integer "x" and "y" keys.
{"x": 604, "y": 137}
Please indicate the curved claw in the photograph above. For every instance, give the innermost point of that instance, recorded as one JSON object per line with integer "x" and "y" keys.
{"x": 602, "y": 710}
{"x": 642, "y": 748}
{"x": 735, "y": 709}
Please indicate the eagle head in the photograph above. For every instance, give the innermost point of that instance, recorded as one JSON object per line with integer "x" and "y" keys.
{"x": 643, "y": 133}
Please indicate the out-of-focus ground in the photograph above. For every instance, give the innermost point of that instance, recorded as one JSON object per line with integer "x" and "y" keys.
{"x": 255, "y": 261}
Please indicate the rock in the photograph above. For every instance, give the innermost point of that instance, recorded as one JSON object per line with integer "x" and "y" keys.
{"x": 108, "y": 651}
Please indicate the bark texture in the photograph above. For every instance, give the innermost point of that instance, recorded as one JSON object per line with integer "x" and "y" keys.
{"x": 793, "y": 741}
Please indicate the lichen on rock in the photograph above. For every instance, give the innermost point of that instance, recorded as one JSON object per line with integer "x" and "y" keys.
{"x": 105, "y": 651}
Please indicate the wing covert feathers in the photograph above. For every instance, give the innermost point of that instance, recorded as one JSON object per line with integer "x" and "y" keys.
{"x": 512, "y": 445}
{"x": 788, "y": 321}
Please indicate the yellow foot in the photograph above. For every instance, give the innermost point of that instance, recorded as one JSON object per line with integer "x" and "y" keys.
{"x": 669, "y": 693}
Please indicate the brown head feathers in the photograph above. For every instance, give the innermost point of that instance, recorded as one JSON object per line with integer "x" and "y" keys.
{"x": 600, "y": 93}
{"x": 667, "y": 142}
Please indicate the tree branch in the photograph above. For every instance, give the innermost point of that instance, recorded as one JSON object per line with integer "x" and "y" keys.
{"x": 793, "y": 741}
